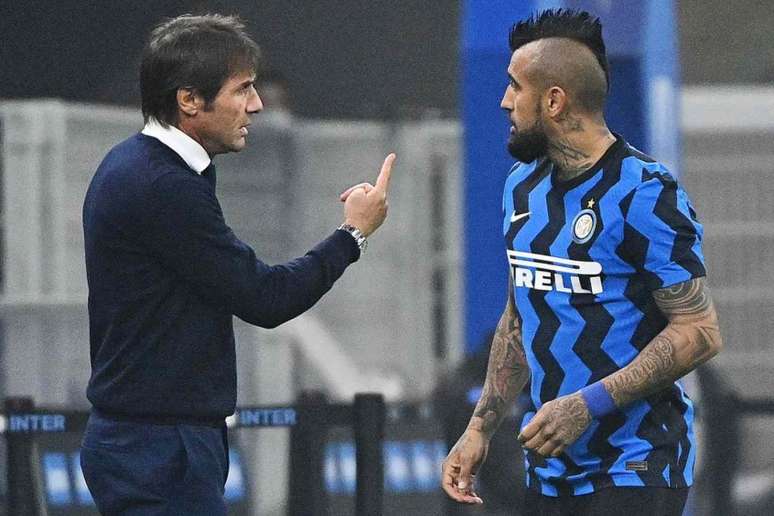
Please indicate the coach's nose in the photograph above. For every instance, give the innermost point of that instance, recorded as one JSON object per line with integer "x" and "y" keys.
{"x": 254, "y": 103}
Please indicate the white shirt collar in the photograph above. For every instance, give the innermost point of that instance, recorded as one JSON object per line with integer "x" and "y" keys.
{"x": 186, "y": 147}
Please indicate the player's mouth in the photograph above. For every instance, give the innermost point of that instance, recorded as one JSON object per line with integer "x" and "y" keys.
{"x": 243, "y": 130}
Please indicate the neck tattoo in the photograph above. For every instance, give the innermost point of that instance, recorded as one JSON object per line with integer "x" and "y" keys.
{"x": 569, "y": 161}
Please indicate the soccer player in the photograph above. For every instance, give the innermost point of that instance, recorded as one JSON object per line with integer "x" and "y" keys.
{"x": 607, "y": 303}
{"x": 166, "y": 276}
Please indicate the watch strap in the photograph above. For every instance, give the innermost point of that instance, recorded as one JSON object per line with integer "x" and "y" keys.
{"x": 358, "y": 235}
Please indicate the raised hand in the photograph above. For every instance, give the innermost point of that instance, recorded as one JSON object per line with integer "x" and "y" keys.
{"x": 365, "y": 205}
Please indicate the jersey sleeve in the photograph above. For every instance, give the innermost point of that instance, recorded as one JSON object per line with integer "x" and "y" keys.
{"x": 662, "y": 236}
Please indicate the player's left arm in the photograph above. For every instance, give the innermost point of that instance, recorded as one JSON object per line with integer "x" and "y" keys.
{"x": 690, "y": 338}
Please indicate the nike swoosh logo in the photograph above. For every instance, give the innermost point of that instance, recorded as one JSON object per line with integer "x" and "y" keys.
{"x": 520, "y": 216}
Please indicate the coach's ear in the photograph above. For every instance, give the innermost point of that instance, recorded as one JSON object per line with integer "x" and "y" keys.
{"x": 188, "y": 101}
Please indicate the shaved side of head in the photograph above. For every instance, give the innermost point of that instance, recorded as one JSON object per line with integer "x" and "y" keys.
{"x": 568, "y": 51}
{"x": 573, "y": 67}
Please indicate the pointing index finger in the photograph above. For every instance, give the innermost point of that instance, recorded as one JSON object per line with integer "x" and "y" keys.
{"x": 383, "y": 181}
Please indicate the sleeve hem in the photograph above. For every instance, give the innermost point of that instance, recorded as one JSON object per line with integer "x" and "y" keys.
{"x": 348, "y": 241}
{"x": 674, "y": 280}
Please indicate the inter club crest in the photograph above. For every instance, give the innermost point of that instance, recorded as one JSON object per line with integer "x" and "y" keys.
{"x": 583, "y": 226}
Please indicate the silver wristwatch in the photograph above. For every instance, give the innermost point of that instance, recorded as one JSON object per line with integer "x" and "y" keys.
{"x": 358, "y": 235}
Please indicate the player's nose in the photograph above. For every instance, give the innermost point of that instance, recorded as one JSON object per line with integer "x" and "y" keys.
{"x": 505, "y": 103}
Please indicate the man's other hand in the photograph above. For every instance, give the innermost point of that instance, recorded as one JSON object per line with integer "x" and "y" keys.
{"x": 365, "y": 205}
{"x": 556, "y": 425}
{"x": 460, "y": 467}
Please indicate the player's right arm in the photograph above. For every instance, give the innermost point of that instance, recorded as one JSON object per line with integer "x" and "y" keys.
{"x": 507, "y": 372}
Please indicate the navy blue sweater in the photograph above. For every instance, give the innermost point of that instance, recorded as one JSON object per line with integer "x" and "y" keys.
{"x": 165, "y": 276}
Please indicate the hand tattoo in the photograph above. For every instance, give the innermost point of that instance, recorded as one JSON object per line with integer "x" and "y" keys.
{"x": 691, "y": 338}
{"x": 556, "y": 425}
{"x": 572, "y": 417}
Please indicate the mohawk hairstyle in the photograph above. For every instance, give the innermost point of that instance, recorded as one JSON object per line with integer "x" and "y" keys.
{"x": 579, "y": 26}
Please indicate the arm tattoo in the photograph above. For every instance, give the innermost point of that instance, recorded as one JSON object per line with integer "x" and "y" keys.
{"x": 691, "y": 338}
{"x": 506, "y": 374}
{"x": 689, "y": 298}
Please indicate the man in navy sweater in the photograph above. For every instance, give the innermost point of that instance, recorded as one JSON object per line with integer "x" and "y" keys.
{"x": 166, "y": 275}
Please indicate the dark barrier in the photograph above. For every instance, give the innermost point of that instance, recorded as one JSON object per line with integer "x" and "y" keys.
{"x": 369, "y": 435}
{"x": 22, "y": 499}
{"x": 307, "y": 442}
{"x": 413, "y": 450}
{"x": 724, "y": 411}
{"x": 308, "y": 494}
{"x": 719, "y": 411}
{"x": 308, "y": 420}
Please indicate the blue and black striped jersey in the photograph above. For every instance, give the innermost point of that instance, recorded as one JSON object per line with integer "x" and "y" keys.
{"x": 585, "y": 256}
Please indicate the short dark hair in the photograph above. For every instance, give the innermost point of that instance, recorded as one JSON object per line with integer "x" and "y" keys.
{"x": 579, "y": 26}
{"x": 197, "y": 52}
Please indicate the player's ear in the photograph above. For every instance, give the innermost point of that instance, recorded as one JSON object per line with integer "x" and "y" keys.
{"x": 556, "y": 101}
{"x": 188, "y": 101}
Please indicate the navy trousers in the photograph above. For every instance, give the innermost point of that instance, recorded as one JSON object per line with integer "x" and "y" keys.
{"x": 616, "y": 501}
{"x": 141, "y": 469}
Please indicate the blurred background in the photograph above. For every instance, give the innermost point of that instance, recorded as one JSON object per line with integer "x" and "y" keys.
{"x": 345, "y": 83}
